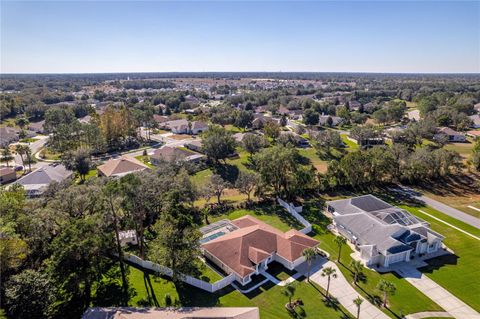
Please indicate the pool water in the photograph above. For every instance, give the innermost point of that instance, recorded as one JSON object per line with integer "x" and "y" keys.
{"x": 211, "y": 237}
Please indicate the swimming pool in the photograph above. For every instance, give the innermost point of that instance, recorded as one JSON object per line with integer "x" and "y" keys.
{"x": 211, "y": 237}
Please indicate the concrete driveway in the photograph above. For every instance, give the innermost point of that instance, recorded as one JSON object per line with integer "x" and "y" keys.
{"x": 451, "y": 304}
{"x": 341, "y": 289}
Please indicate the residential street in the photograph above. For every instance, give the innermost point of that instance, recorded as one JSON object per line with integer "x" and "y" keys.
{"x": 35, "y": 147}
{"x": 450, "y": 211}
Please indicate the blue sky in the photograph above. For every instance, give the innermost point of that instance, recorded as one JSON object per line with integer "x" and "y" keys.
{"x": 323, "y": 36}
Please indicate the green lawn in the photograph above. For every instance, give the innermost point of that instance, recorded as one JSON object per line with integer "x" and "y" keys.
{"x": 228, "y": 172}
{"x": 311, "y": 154}
{"x": 49, "y": 154}
{"x": 28, "y": 140}
{"x": 275, "y": 216}
{"x": 400, "y": 303}
{"x": 268, "y": 298}
{"x": 459, "y": 274}
{"x": 351, "y": 146}
{"x": 464, "y": 149}
{"x": 91, "y": 173}
{"x": 145, "y": 160}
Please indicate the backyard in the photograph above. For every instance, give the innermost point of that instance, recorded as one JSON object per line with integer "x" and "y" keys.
{"x": 267, "y": 296}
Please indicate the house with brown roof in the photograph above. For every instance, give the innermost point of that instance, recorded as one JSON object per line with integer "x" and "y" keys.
{"x": 7, "y": 175}
{"x": 120, "y": 167}
{"x": 167, "y": 153}
{"x": 160, "y": 118}
{"x": 247, "y": 245}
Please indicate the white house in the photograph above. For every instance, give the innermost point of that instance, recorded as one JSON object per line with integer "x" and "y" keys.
{"x": 383, "y": 234}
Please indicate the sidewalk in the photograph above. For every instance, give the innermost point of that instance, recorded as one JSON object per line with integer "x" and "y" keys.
{"x": 454, "y": 306}
{"x": 341, "y": 289}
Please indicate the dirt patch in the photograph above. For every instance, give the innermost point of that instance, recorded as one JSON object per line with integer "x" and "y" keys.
{"x": 321, "y": 167}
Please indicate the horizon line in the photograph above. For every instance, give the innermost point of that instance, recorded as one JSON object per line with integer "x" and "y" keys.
{"x": 232, "y": 72}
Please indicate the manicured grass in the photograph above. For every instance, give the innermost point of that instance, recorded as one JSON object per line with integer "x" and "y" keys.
{"x": 275, "y": 216}
{"x": 351, "y": 146}
{"x": 49, "y": 154}
{"x": 91, "y": 173}
{"x": 207, "y": 274}
{"x": 145, "y": 160}
{"x": 459, "y": 274}
{"x": 268, "y": 298}
{"x": 232, "y": 128}
{"x": 400, "y": 303}
{"x": 28, "y": 140}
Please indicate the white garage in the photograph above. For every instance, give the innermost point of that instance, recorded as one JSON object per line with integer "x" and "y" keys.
{"x": 395, "y": 258}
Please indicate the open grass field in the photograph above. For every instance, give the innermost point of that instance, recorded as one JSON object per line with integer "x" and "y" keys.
{"x": 311, "y": 154}
{"x": 464, "y": 149}
{"x": 459, "y": 274}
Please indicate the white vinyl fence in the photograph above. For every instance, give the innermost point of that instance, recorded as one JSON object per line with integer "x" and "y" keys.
{"x": 210, "y": 287}
{"x": 294, "y": 211}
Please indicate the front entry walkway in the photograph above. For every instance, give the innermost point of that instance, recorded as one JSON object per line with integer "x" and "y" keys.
{"x": 341, "y": 289}
{"x": 454, "y": 306}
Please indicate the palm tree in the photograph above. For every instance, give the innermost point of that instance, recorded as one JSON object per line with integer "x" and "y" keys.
{"x": 329, "y": 272}
{"x": 358, "y": 301}
{"x": 20, "y": 149}
{"x": 309, "y": 255}
{"x": 340, "y": 241}
{"x": 357, "y": 270}
{"x": 6, "y": 156}
{"x": 387, "y": 288}
{"x": 289, "y": 291}
{"x": 28, "y": 154}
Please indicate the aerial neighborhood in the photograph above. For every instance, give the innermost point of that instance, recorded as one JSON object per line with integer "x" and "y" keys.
{"x": 240, "y": 196}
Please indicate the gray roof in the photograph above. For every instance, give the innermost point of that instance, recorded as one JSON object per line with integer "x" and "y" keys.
{"x": 42, "y": 177}
{"x": 8, "y": 135}
{"x": 367, "y": 203}
{"x": 370, "y": 231}
{"x": 375, "y": 222}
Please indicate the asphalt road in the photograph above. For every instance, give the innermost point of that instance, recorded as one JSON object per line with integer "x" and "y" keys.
{"x": 447, "y": 210}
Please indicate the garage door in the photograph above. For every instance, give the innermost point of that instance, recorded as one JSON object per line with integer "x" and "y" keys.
{"x": 396, "y": 258}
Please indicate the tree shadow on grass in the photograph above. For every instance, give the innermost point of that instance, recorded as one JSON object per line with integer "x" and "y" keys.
{"x": 150, "y": 291}
{"x": 190, "y": 296}
{"x": 331, "y": 301}
{"x": 227, "y": 171}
